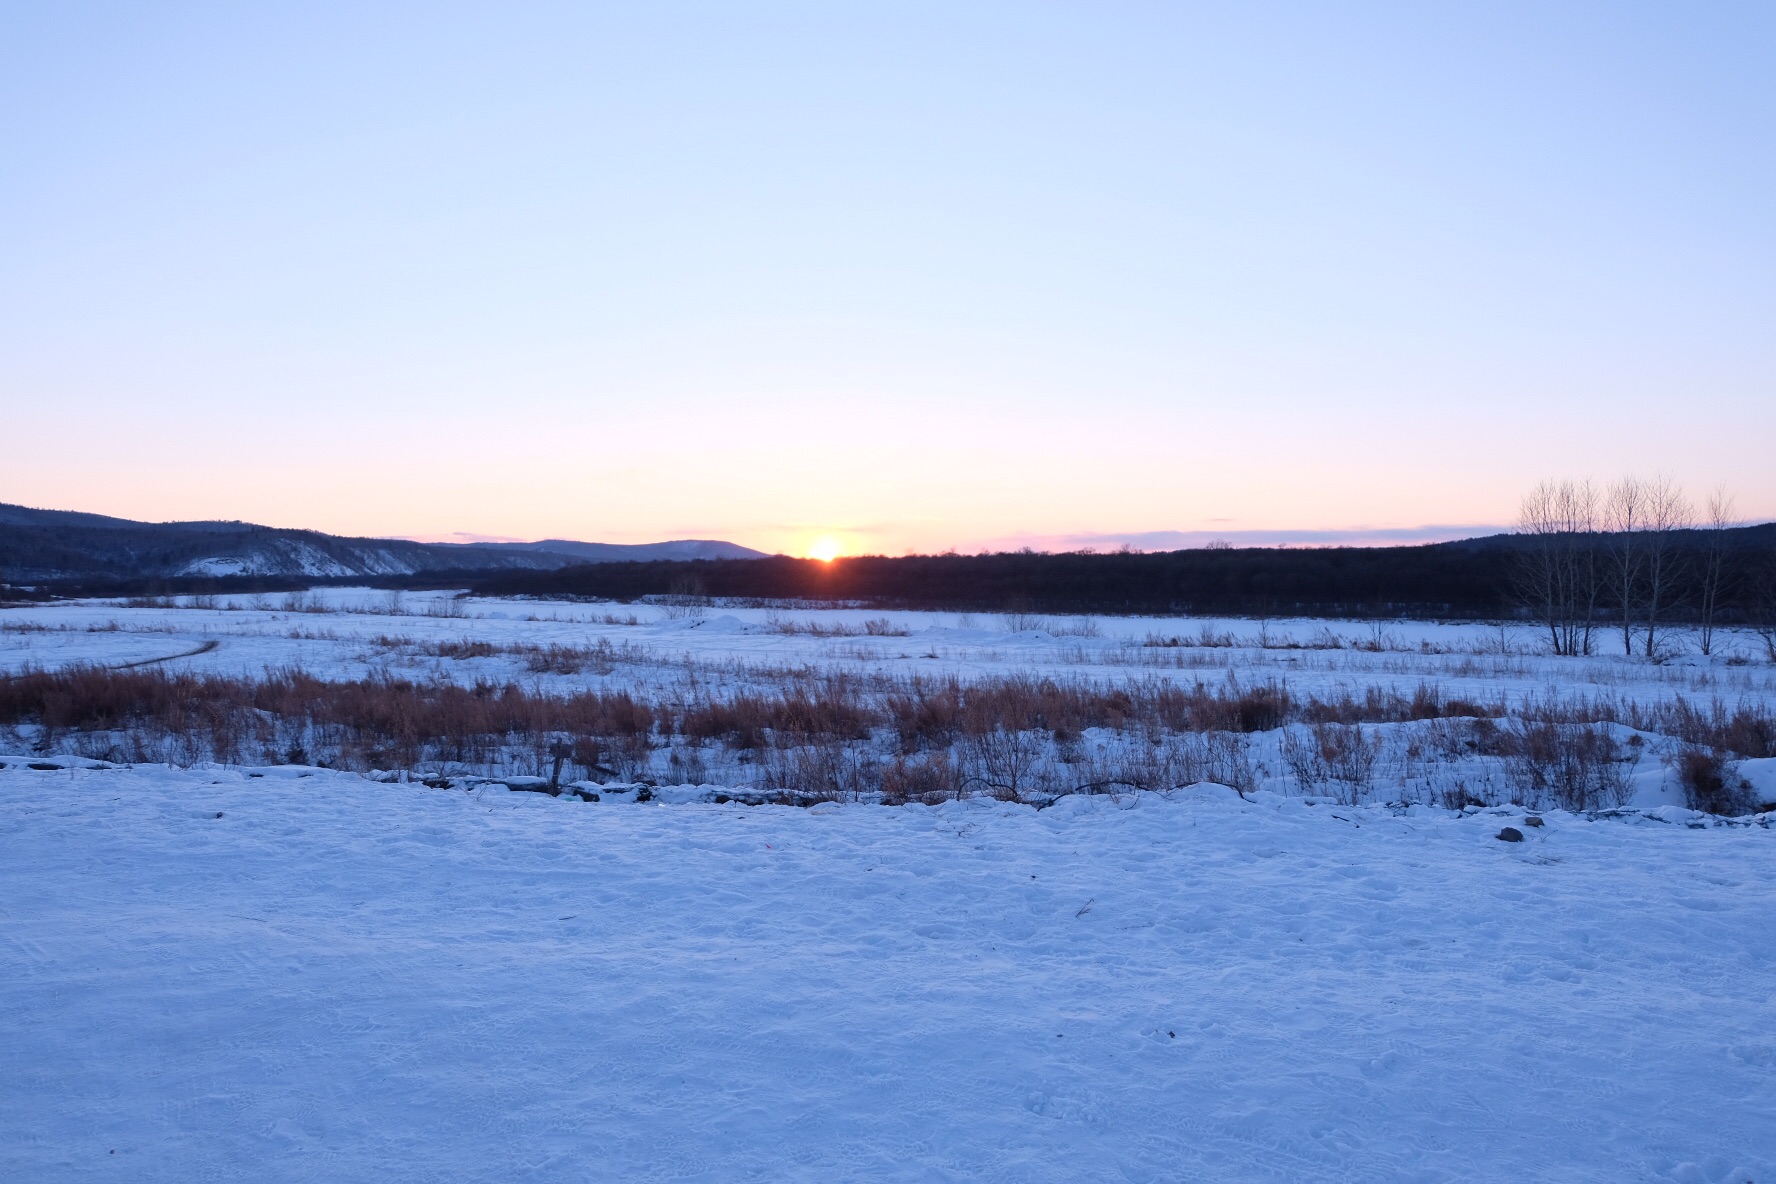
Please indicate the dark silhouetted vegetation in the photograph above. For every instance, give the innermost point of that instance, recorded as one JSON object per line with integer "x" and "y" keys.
{"x": 1475, "y": 578}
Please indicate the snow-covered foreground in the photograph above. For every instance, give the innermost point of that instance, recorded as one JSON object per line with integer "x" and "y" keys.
{"x": 207, "y": 974}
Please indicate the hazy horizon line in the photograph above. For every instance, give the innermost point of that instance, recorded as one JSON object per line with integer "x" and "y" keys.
{"x": 1147, "y": 540}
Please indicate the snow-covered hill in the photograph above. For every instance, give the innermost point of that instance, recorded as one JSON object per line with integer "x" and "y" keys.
{"x": 50, "y": 545}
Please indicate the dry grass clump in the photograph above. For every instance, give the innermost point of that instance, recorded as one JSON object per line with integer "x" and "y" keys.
{"x": 831, "y": 772}
{"x": 807, "y": 708}
{"x": 1206, "y": 638}
{"x": 1386, "y": 706}
{"x": 463, "y": 649}
{"x": 1332, "y": 757}
{"x": 1743, "y": 730}
{"x": 1006, "y": 762}
{"x": 874, "y": 627}
{"x": 1067, "y": 626}
{"x": 1711, "y": 783}
{"x": 600, "y": 658}
{"x": 1573, "y": 766}
{"x": 930, "y": 779}
{"x": 928, "y": 714}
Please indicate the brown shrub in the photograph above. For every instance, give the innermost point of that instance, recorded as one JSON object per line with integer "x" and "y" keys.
{"x": 825, "y": 710}
{"x": 930, "y": 780}
{"x": 464, "y": 648}
{"x": 1747, "y": 730}
{"x": 926, "y": 715}
{"x": 1004, "y": 762}
{"x": 1711, "y": 784}
{"x": 1574, "y": 766}
{"x": 826, "y": 772}
{"x": 1332, "y": 756}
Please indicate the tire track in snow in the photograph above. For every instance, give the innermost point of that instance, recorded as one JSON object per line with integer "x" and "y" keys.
{"x": 207, "y": 647}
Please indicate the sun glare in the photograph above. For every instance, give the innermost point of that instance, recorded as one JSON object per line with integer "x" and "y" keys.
{"x": 825, "y": 548}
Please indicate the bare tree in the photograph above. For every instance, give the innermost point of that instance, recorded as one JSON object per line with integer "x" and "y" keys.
{"x": 1556, "y": 571}
{"x": 1715, "y": 580}
{"x": 1535, "y": 567}
{"x": 1537, "y": 573}
{"x": 1667, "y": 512}
{"x": 1583, "y": 564}
{"x": 1624, "y": 518}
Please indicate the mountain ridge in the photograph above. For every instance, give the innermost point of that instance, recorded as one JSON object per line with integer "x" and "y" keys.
{"x": 50, "y": 546}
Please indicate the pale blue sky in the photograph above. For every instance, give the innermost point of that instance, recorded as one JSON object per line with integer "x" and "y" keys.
{"x": 918, "y": 275}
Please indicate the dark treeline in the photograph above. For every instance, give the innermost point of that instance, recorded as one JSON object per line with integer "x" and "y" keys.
{"x": 1473, "y": 578}
{"x": 1526, "y": 576}
{"x": 1341, "y": 581}
{"x": 218, "y": 585}
{"x": 65, "y": 589}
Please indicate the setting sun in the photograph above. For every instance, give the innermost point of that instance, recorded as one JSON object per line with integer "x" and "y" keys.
{"x": 825, "y": 548}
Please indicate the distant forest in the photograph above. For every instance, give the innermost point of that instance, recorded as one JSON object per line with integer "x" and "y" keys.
{"x": 1573, "y": 582}
{"x": 1336, "y": 581}
{"x": 1487, "y": 578}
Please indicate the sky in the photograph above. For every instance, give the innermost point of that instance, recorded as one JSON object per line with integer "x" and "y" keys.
{"x": 896, "y": 277}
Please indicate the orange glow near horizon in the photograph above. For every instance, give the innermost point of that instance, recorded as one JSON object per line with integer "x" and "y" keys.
{"x": 826, "y": 548}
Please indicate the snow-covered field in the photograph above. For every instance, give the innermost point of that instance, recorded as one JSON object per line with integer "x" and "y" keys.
{"x": 665, "y": 654}
{"x": 305, "y": 975}
{"x": 350, "y": 633}
{"x": 293, "y": 973}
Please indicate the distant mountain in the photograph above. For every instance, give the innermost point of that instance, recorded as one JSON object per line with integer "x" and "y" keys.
{"x": 624, "y": 552}
{"x": 49, "y": 546}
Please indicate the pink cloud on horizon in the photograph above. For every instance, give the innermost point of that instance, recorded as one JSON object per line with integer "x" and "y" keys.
{"x": 1177, "y": 540}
